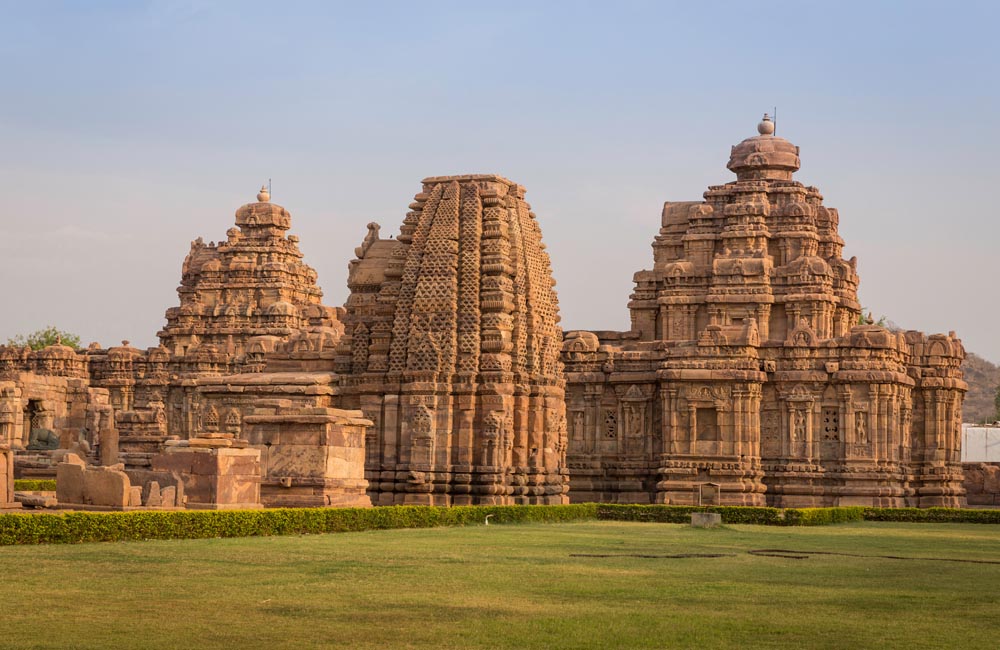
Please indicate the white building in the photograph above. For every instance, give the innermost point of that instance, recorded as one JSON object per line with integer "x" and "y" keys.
{"x": 981, "y": 443}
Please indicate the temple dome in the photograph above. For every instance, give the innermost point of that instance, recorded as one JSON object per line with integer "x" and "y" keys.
{"x": 124, "y": 352}
{"x": 263, "y": 213}
{"x": 764, "y": 156}
{"x": 57, "y": 351}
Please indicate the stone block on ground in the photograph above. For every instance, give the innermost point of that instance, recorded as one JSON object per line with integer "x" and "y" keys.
{"x": 706, "y": 519}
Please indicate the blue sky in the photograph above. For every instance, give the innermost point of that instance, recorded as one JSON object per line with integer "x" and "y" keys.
{"x": 128, "y": 129}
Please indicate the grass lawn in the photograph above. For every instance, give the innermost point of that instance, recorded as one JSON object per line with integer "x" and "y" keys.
{"x": 514, "y": 586}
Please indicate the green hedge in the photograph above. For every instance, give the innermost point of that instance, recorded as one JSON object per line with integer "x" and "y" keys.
{"x": 796, "y": 516}
{"x": 934, "y": 515}
{"x": 76, "y": 527}
{"x": 822, "y": 516}
{"x": 732, "y": 514}
{"x": 682, "y": 514}
{"x": 34, "y": 485}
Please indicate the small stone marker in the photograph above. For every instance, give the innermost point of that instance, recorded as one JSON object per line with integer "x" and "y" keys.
{"x": 153, "y": 500}
{"x": 168, "y": 497}
{"x": 706, "y": 519}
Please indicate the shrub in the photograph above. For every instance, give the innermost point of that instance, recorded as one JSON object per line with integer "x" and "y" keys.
{"x": 34, "y": 485}
{"x": 822, "y": 516}
{"x": 77, "y": 527}
{"x": 682, "y": 514}
{"x": 933, "y": 515}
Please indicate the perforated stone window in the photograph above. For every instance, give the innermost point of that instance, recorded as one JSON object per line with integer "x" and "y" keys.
{"x": 831, "y": 424}
{"x": 611, "y": 424}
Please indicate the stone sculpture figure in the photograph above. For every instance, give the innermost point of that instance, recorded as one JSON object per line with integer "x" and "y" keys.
{"x": 861, "y": 427}
{"x": 43, "y": 439}
{"x": 798, "y": 425}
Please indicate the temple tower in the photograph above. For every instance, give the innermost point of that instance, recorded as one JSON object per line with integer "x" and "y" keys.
{"x": 748, "y": 376}
{"x": 452, "y": 349}
{"x": 252, "y": 284}
{"x": 240, "y": 299}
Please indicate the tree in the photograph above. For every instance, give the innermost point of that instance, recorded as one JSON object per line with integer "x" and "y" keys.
{"x": 45, "y": 337}
{"x": 996, "y": 402}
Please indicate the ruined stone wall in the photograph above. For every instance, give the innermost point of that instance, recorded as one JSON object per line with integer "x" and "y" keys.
{"x": 982, "y": 483}
{"x": 48, "y": 402}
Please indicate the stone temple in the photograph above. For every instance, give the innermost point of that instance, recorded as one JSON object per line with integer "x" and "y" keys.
{"x": 452, "y": 350}
{"x": 749, "y": 375}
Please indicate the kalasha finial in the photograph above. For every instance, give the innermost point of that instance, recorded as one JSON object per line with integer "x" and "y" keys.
{"x": 766, "y": 126}
{"x": 263, "y": 195}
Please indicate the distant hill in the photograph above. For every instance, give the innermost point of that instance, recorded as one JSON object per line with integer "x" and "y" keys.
{"x": 983, "y": 378}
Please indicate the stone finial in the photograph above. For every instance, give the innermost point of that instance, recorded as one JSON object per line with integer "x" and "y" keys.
{"x": 766, "y": 126}
{"x": 263, "y": 195}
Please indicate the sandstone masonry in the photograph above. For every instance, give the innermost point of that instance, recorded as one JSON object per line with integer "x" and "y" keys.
{"x": 748, "y": 376}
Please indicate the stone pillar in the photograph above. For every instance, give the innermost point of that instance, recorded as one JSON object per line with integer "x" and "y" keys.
{"x": 7, "y": 477}
{"x": 810, "y": 415}
{"x": 464, "y": 450}
{"x": 693, "y": 433}
{"x": 389, "y": 440}
{"x": 786, "y": 431}
{"x": 8, "y": 418}
{"x": 885, "y": 424}
{"x": 764, "y": 321}
{"x": 846, "y": 428}
{"x": 737, "y": 416}
{"x": 669, "y": 421}
{"x": 591, "y": 416}
{"x": 108, "y": 437}
{"x": 874, "y": 422}
{"x": 522, "y": 446}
